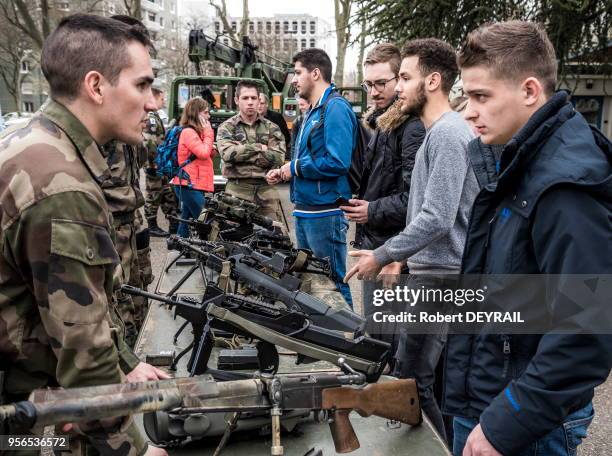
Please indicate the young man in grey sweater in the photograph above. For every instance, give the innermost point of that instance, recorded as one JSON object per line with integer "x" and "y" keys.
{"x": 443, "y": 188}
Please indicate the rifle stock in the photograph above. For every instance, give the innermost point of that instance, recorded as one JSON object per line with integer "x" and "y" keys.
{"x": 396, "y": 400}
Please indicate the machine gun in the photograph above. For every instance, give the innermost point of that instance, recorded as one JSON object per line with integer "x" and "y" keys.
{"x": 227, "y": 218}
{"x": 271, "y": 325}
{"x": 254, "y": 274}
{"x": 278, "y": 261}
{"x": 335, "y": 394}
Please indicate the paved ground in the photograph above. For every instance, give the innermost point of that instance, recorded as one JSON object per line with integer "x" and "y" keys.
{"x": 599, "y": 441}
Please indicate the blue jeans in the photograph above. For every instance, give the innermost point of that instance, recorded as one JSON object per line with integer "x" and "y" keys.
{"x": 191, "y": 202}
{"x": 326, "y": 237}
{"x": 561, "y": 441}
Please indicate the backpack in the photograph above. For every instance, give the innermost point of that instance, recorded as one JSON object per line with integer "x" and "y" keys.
{"x": 167, "y": 155}
{"x": 363, "y": 138}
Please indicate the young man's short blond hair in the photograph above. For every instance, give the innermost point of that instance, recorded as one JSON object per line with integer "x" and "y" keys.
{"x": 383, "y": 53}
{"x": 514, "y": 50}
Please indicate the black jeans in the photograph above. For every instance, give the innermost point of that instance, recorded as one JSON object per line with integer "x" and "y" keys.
{"x": 418, "y": 354}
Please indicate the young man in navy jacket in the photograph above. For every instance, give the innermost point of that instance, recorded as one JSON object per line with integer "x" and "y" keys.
{"x": 547, "y": 212}
{"x": 319, "y": 169}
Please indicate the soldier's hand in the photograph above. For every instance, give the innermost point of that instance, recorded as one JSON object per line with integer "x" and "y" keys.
{"x": 478, "y": 445}
{"x": 144, "y": 372}
{"x": 273, "y": 177}
{"x": 155, "y": 451}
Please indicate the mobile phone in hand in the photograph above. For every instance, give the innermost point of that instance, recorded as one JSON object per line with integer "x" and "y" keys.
{"x": 342, "y": 202}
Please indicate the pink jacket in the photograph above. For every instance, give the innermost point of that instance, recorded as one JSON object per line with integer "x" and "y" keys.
{"x": 200, "y": 170}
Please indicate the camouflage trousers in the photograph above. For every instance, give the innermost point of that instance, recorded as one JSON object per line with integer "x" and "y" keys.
{"x": 134, "y": 252}
{"x": 159, "y": 194}
{"x": 259, "y": 192}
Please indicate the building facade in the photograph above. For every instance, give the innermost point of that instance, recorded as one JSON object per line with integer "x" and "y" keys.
{"x": 283, "y": 35}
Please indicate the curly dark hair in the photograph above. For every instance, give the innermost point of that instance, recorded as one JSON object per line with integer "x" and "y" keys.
{"x": 435, "y": 56}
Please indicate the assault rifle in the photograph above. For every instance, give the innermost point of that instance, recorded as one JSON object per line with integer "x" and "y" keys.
{"x": 331, "y": 393}
{"x": 271, "y": 325}
{"x": 253, "y": 271}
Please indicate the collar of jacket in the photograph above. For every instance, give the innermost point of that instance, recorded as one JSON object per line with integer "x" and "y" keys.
{"x": 86, "y": 146}
{"x": 543, "y": 154}
{"x": 239, "y": 119}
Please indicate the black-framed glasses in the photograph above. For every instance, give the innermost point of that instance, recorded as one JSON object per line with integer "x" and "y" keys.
{"x": 378, "y": 85}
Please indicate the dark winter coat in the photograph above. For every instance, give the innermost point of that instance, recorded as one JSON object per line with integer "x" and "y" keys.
{"x": 386, "y": 172}
{"x": 548, "y": 212}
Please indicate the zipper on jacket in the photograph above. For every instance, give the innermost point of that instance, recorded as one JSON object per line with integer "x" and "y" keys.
{"x": 489, "y": 230}
{"x": 506, "y": 351}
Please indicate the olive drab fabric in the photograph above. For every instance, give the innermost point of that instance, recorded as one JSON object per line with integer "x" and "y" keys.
{"x": 158, "y": 190}
{"x": 240, "y": 146}
{"x": 57, "y": 267}
{"x": 245, "y": 163}
{"x": 124, "y": 198}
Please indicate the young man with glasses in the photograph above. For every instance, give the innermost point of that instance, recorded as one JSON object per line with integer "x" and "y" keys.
{"x": 382, "y": 197}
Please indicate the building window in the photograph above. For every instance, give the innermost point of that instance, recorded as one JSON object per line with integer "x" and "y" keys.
{"x": 260, "y": 26}
{"x": 312, "y": 43}
{"x": 303, "y": 27}
{"x": 173, "y": 25}
{"x": 225, "y": 41}
{"x": 294, "y": 26}
{"x": 161, "y": 21}
{"x": 251, "y": 27}
{"x": 153, "y": 35}
{"x": 28, "y": 106}
{"x": 303, "y": 44}
{"x": 286, "y": 26}
{"x": 313, "y": 27}
{"x": 234, "y": 26}
{"x": 217, "y": 27}
{"x": 27, "y": 88}
{"x": 268, "y": 27}
{"x": 63, "y": 6}
{"x": 277, "y": 27}
{"x": 152, "y": 17}
{"x": 25, "y": 66}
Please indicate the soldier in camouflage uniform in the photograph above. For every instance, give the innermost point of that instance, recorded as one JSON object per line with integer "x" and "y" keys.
{"x": 159, "y": 190}
{"x": 124, "y": 198}
{"x": 250, "y": 146}
{"x": 58, "y": 323}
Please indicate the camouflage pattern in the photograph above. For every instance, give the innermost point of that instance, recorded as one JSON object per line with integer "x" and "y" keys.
{"x": 144, "y": 250}
{"x": 259, "y": 192}
{"x": 240, "y": 146}
{"x": 124, "y": 198}
{"x": 57, "y": 267}
{"x": 158, "y": 189}
{"x": 323, "y": 288}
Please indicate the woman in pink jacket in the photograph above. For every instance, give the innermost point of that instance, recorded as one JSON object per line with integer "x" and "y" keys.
{"x": 196, "y": 145}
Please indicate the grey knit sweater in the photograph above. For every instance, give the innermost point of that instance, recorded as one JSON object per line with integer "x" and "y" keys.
{"x": 442, "y": 191}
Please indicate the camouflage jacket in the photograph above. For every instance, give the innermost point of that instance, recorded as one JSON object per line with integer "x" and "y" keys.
{"x": 122, "y": 188}
{"x": 57, "y": 260}
{"x": 240, "y": 147}
{"x": 153, "y": 135}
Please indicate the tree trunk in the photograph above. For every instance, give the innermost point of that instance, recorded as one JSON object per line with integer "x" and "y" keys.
{"x": 244, "y": 23}
{"x": 222, "y": 13}
{"x": 362, "y": 39}
{"x": 342, "y": 9}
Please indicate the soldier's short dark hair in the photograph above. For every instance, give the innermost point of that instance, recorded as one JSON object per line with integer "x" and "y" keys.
{"x": 85, "y": 42}
{"x": 435, "y": 56}
{"x": 312, "y": 58}
{"x": 247, "y": 85}
{"x": 513, "y": 50}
